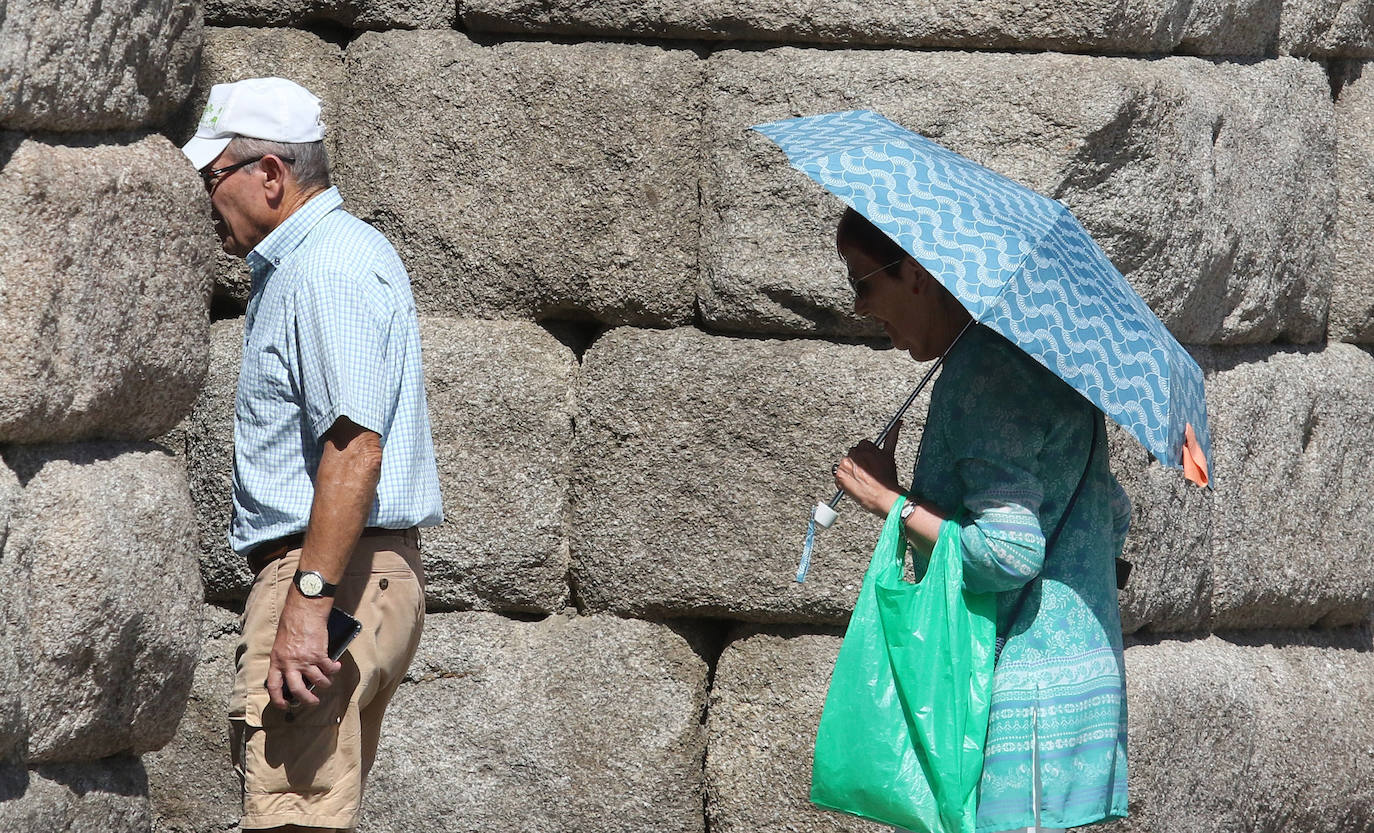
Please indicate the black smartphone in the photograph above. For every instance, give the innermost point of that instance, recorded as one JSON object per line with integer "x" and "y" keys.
{"x": 342, "y": 628}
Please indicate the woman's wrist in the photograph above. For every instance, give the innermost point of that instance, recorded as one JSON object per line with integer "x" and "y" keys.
{"x": 889, "y": 501}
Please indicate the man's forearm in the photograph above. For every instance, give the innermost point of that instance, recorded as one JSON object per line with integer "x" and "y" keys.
{"x": 345, "y": 489}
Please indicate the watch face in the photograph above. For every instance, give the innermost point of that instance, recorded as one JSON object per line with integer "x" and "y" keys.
{"x": 311, "y": 584}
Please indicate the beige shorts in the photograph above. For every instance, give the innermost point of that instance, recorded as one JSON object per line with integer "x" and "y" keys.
{"x": 307, "y": 766}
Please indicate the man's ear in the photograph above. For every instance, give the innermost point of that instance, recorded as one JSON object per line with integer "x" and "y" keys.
{"x": 274, "y": 176}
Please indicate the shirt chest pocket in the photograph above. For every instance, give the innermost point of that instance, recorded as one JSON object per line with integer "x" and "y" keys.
{"x": 266, "y": 385}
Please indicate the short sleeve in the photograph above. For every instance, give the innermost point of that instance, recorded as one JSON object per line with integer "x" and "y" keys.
{"x": 341, "y": 338}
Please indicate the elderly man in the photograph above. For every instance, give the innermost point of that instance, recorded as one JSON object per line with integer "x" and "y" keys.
{"x": 333, "y": 462}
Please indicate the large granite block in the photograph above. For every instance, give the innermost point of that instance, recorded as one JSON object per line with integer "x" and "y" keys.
{"x": 1352, "y": 289}
{"x": 235, "y": 53}
{"x": 1170, "y": 542}
{"x": 501, "y": 405}
{"x": 12, "y": 726}
{"x": 1280, "y": 539}
{"x": 192, "y": 787}
{"x": 96, "y": 64}
{"x": 766, "y": 702}
{"x": 354, "y": 14}
{"x": 106, "y": 796}
{"x": 1208, "y": 184}
{"x": 1292, "y": 520}
{"x": 588, "y": 723}
{"x": 209, "y": 438}
{"x": 529, "y": 179}
{"x": 1224, "y": 736}
{"x": 101, "y": 542}
{"x": 1327, "y": 28}
{"x": 1155, "y": 27}
{"x": 699, "y": 460}
{"x": 105, "y": 259}
{"x": 1251, "y": 736}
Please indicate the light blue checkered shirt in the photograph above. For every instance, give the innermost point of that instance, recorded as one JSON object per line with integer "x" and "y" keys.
{"x": 331, "y": 331}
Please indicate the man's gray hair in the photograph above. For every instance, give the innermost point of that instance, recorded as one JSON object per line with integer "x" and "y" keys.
{"x": 310, "y": 165}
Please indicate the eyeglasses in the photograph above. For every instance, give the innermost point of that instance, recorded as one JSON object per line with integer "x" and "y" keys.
{"x": 212, "y": 177}
{"x": 854, "y": 282}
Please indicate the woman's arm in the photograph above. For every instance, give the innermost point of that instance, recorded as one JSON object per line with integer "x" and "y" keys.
{"x": 1004, "y": 546}
{"x": 868, "y": 474}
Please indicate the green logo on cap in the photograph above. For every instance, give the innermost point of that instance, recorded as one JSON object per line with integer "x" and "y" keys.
{"x": 211, "y": 115}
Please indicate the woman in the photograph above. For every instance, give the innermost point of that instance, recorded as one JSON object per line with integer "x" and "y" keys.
{"x": 1005, "y": 447}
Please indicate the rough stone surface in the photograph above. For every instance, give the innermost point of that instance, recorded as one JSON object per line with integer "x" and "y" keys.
{"x": 1352, "y": 290}
{"x": 765, "y": 706}
{"x": 1292, "y": 519}
{"x": 102, "y": 541}
{"x": 1156, "y": 27}
{"x": 1327, "y": 28}
{"x": 191, "y": 786}
{"x": 501, "y": 405}
{"x": 1169, "y": 545}
{"x": 529, "y": 179}
{"x": 1209, "y": 185}
{"x": 354, "y": 14}
{"x": 107, "y": 796}
{"x": 578, "y": 724}
{"x": 12, "y": 726}
{"x": 104, "y": 281}
{"x": 1279, "y": 540}
{"x": 1224, "y": 736}
{"x": 209, "y": 438}
{"x": 235, "y": 53}
{"x": 699, "y": 460}
{"x": 1227, "y": 736}
{"x": 95, "y": 64}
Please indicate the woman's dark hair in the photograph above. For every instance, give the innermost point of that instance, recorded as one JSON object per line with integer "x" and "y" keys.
{"x": 856, "y": 231}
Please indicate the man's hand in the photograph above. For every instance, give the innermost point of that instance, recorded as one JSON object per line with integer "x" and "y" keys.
{"x": 299, "y": 655}
{"x": 868, "y": 474}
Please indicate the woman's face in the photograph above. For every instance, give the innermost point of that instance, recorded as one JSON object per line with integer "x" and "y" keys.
{"x": 907, "y": 305}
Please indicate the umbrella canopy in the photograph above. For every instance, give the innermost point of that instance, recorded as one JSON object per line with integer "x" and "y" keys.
{"x": 1021, "y": 264}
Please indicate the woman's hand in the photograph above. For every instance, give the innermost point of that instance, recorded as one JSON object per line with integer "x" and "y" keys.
{"x": 868, "y": 474}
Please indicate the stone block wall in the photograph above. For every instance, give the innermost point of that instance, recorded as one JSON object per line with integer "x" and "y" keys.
{"x": 105, "y": 277}
{"x": 642, "y": 361}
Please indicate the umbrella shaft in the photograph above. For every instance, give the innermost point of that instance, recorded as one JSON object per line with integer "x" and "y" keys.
{"x": 839, "y": 493}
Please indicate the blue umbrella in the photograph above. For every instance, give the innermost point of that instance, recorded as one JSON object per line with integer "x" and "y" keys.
{"x": 1021, "y": 264}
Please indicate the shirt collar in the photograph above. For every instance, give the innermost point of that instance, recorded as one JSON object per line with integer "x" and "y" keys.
{"x": 284, "y": 239}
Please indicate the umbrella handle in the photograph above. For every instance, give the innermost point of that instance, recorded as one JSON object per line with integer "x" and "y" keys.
{"x": 824, "y": 514}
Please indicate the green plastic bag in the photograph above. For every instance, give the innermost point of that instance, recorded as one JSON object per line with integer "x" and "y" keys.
{"x": 906, "y": 717}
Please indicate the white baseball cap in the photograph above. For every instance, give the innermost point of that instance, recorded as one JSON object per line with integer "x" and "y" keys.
{"x": 274, "y": 109}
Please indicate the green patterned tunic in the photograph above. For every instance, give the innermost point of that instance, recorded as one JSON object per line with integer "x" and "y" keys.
{"x": 1005, "y": 443}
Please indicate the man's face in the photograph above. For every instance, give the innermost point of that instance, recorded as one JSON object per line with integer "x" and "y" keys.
{"x": 237, "y": 203}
